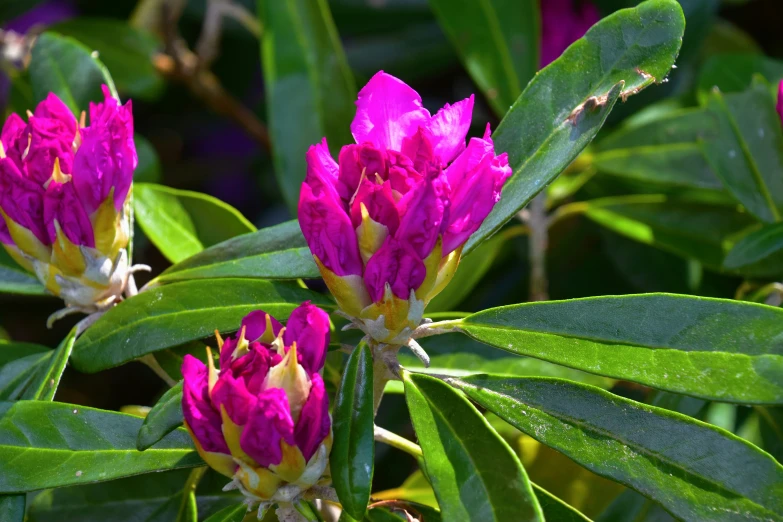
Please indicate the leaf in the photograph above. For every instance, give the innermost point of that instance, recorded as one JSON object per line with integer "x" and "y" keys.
{"x": 12, "y": 508}
{"x": 19, "y": 363}
{"x": 748, "y": 154}
{"x": 50, "y": 444}
{"x": 688, "y": 229}
{"x": 353, "y": 453}
{"x": 148, "y": 169}
{"x": 565, "y": 105}
{"x": 277, "y": 252}
{"x": 174, "y": 314}
{"x": 162, "y": 419}
{"x": 127, "y": 51}
{"x": 310, "y": 89}
{"x": 497, "y": 41}
{"x": 734, "y": 72}
{"x": 756, "y": 246}
{"x": 61, "y": 65}
{"x": 695, "y": 470}
{"x": 475, "y": 474}
{"x": 15, "y": 280}
{"x": 144, "y": 498}
{"x": 229, "y": 514}
{"x": 556, "y": 509}
{"x": 665, "y": 150}
{"x": 716, "y": 349}
{"x": 182, "y": 223}
{"x": 171, "y": 359}
{"x": 44, "y": 383}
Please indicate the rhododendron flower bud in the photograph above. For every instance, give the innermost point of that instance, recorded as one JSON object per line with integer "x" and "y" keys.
{"x": 562, "y": 23}
{"x": 64, "y": 198}
{"x": 263, "y": 418}
{"x": 386, "y": 222}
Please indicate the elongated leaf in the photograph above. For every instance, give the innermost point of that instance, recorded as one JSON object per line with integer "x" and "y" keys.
{"x": 19, "y": 363}
{"x": 565, "y": 105}
{"x": 49, "y": 444}
{"x": 61, "y": 65}
{"x": 12, "y": 508}
{"x": 475, "y": 474}
{"x": 277, "y": 252}
{"x": 175, "y": 314}
{"x": 353, "y": 453}
{"x": 748, "y": 154}
{"x": 717, "y": 349}
{"x": 497, "y": 41}
{"x": 556, "y": 509}
{"x": 44, "y": 383}
{"x": 756, "y": 246}
{"x": 310, "y": 89}
{"x": 162, "y": 419}
{"x": 695, "y": 470}
{"x": 229, "y": 514}
{"x": 182, "y": 223}
{"x": 16, "y": 280}
{"x": 734, "y": 72}
{"x": 127, "y": 51}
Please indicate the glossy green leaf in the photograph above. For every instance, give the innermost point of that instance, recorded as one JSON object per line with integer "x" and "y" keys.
{"x": 310, "y": 90}
{"x": 691, "y": 230}
{"x": 565, "y": 105}
{"x": 748, "y": 154}
{"x": 497, "y": 41}
{"x": 182, "y": 223}
{"x": 19, "y": 364}
{"x": 62, "y": 65}
{"x": 229, "y": 514}
{"x": 277, "y": 252}
{"x": 353, "y": 454}
{"x": 153, "y": 497}
{"x": 665, "y": 150}
{"x": 174, "y": 314}
{"x": 556, "y": 509}
{"x": 162, "y": 419}
{"x": 16, "y": 280}
{"x": 475, "y": 474}
{"x": 127, "y": 51}
{"x": 12, "y": 508}
{"x": 45, "y": 381}
{"x": 716, "y": 349}
{"x": 695, "y": 470}
{"x": 50, "y": 444}
{"x": 757, "y": 246}
{"x": 734, "y": 72}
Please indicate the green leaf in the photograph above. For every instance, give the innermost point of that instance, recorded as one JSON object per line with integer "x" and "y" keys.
{"x": 695, "y": 470}
{"x": 171, "y": 359}
{"x": 756, "y": 246}
{"x": 229, "y": 514}
{"x": 310, "y": 90}
{"x": 148, "y": 169}
{"x": 127, "y": 51}
{"x": 16, "y": 280}
{"x": 565, "y": 105}
{"x": 716, "y": 349}
{"x": 688, "y": 229}
{"x": 748, "y": 154}
{"x": 174, "y": 314}
{"x": 665, "y": 150}
{"x": 49, "y": 444}
{"x": 497, "y": 41}
{"x": 353, "y": 453}
{"x": 278, "y": 252}
{"x": 162, "y": 419}
{"x": 556, "y": 509}
{"x": 734, "y": 72}
{"x": 61, "y": 65}
{"x": 19, "y": 364}
{"x": 44, "y": 383}
{"x": 12, "y": 508}
{"x": 475, "y": 474}
{"x": 182, "y": 223}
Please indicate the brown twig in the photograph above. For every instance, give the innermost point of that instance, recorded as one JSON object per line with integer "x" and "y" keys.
{"x": 534, "y": 216}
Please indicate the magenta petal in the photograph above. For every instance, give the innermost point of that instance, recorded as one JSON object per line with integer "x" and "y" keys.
{"x": 232, "y": 394}
{"x": 61, "y": 204}
{"x": 314, "y": 422}
{"x": 397, "y": 264}
{"x": 50, "y": 139}
{"x": 423, "y": 214}
{"x": 269, "y": 423}
{"x": 780, "y": 100}
{"x": 379, "y": 202}
{"x": 449, "y": 127}
{"x": 22, "y": 200}
{"x": 252, "y": 367}
{"x": 355, "y": 160}
{"x": 255, "y": 325}
{"x": 308, "y": 326}
{"x": 388, "y": 110}
{"x": 14, "y": 138}
{"x": 202, "y": 418}
{"x": 53, "y": 107}
{"x": 562, "y": 23}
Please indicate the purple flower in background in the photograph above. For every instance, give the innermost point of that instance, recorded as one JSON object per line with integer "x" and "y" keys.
{"x": 263, "y": 419}
{"x": 780, "y": 100}
{"x": 562, "y": 23}
{"x": 386, "y": 222}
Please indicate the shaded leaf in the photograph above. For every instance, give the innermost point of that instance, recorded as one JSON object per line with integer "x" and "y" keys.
{"x": 734, "y": 72}
{"x": 162, "y": 419}
{"x": 556, "y": 509}
{"x": 230, "y": 514}
{"x": 43, "y": 385}
{"x": 756, "y": 246}
{"x": 19, "y": 364}
{"x": 12, "y": 508}
{"x": 16, "y": 280}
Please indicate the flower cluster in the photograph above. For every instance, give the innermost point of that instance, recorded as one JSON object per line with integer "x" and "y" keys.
{"x": 64, "y": 198}
{"x": 386, "y": 222}
{"x": 263, "y": 419}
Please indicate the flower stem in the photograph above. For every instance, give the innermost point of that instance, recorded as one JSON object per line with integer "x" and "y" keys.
{"x": 153, "y": 364}
{"x": 395, "y": 441}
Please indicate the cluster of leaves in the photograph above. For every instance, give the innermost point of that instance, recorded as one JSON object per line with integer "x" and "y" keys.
{"x": 697, "y": 176}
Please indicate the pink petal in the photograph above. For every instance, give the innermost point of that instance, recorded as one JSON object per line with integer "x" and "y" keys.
{"x": 232, "y": 393}
{"x": 423, "y": 214}
{"x": 356, "y": 160}
{"x": 402, "y": 175}
{"x": 269, "y": 424}
{"x": 14, "y": 138}
{"x": 388, "y": 110}
{"x": 308, "y": 326}
{"x": 314, "y": 423}
{"x": 253, "y": 366}
{"x": 61, "y": 204}
{"x": 780, "y": 100}
{"x": 53, "y": 108}
{"x": 449, "y": 128}
{"x": 255, "y": 325}
{"x": 421, "y": 150}
{"x": 395, "y": 263}
{"x": 22, "y": 200}
{"x": 379, "y": 202}
{"x": 50, "y": 139}
{"x": 202, "y": 418}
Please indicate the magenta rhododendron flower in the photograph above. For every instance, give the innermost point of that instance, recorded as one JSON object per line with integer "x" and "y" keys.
{"x": 387, "y": 221}
{"x": 780, "y": 100}
{"x": 562, "y": 23}
{"x": 263, "y": 419}
{"x": 64, "y": 193}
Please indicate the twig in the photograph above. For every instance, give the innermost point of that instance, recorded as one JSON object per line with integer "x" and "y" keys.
{"x": 536, "y": 219}
{"x": 153, "y": 365}
{"x": 395, "y": 441}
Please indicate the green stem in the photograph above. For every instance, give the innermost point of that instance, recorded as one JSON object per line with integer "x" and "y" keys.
{"x": 380, "y": 376}
{"x": 153, "y": 364}
{"x": 189, "y": 493}
{"x": 395, "y": 441}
